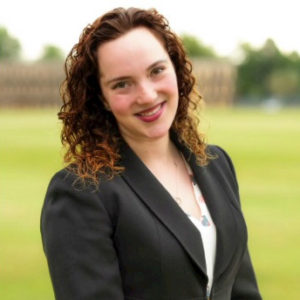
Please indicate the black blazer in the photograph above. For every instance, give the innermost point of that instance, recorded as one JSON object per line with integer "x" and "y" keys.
{"x": 130, "y": 240}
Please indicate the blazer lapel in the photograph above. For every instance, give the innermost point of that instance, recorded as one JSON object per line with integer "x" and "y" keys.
{"x": 222, "y": 212}
{"x": 162, "y": 205}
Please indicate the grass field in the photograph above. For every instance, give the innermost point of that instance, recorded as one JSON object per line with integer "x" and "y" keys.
{"x": 265, "y": 149}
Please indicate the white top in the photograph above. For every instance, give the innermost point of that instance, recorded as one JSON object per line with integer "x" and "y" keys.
{"x": 207, "y": 231}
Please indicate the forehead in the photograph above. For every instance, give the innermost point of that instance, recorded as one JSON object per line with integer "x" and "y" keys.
{"x": 137, "y": 49}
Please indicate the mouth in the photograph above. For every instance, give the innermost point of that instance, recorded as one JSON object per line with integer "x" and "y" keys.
{"x": 151, "y": 114}
{"x": 151, "y": 111}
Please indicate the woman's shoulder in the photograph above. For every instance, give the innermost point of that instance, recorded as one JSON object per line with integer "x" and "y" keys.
{"x": 65, "y": 179}
{"x": 222, "y": 163}
{"x": 67, "y": 192}
{"x": 219, "y": 156}
{"x": 216, "y": 150}
{"x": 66, "y": 183}
{"x": 62, "y": 175}
{"x": 68, "y": 176}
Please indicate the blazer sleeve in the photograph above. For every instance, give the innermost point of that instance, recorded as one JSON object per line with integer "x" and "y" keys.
{"x": 245, "y": 286}
{"x": 77, "y": 239}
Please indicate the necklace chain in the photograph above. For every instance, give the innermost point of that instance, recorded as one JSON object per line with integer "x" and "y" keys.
{"x": 176, "y": 197}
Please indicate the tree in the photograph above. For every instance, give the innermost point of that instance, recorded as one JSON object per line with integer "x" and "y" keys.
{"x": 195, "y": 48}
{"x": 52, "y": 53}
{"x": 266, "y": 72}
{"x": 285, "y": 83}
{"x": 10, "y": 48}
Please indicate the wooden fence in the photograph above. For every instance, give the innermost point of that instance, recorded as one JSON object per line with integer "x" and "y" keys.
{"x": 216, "y": 81}
{"x": 29, "y": 85}
{"x": 37, "y": 85}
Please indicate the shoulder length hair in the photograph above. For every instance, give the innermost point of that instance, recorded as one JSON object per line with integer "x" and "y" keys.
{"x": 90, "y": 133}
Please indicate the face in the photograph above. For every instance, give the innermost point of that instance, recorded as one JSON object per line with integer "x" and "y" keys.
{"x": 139, "y": 84}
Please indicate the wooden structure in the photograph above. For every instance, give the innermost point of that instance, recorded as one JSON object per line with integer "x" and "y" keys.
{"x": 37, "y": 84}
{"x": 29, "y": 85}
{"x": 216, "y": 81}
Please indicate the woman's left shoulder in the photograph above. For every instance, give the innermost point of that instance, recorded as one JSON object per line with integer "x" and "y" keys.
{"x": 217, "y": 151}
{"x": 219, "y": 157}
{"x": 222, "y": 164}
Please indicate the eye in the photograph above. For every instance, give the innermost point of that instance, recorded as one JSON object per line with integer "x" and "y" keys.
{"x": 120, "y": 85}
{"x": 157, "y": 70}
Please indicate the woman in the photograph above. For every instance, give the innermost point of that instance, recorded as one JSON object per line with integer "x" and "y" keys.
{"x": 126, "y": 219}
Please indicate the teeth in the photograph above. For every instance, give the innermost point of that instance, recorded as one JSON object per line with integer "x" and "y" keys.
{"x": 150, "y": 113}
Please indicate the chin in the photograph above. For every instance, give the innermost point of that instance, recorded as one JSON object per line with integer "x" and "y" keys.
{"x": 159, "y": 133}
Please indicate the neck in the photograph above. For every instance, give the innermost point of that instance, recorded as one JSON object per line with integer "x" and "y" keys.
{"x": 153, "y": 151}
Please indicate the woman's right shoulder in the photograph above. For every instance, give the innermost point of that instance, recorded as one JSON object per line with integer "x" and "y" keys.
{"x": 63, "y": 179}
{"x": 67, "y": 193}
{"x": 65, "y": 185}
{"x": 68, "y": 178}
{"x": 67, "y": 182}
{"x": 63, "y": 176}
{"x": 66, "y": 189}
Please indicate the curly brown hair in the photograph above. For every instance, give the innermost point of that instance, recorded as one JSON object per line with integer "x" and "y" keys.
{"x": 90, "y": 132}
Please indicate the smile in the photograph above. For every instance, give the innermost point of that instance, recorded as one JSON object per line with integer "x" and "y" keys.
{"x": 151, "y": 114}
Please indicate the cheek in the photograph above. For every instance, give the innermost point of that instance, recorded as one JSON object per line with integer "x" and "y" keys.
{"x": 119, "y": 104}
{"x": 171, "y": 85}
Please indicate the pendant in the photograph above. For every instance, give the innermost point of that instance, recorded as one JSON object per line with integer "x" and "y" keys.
{"x": 205, "y": 221}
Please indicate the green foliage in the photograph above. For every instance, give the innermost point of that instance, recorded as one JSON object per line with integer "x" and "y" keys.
{"x": 195, "y": 48}
{"x": 52, "y": 53}
{"x": 264, "y": 148}
{"x": 267, "y": 72}
{"x": 10, "y": 47}
{"x": 284, "y": 83}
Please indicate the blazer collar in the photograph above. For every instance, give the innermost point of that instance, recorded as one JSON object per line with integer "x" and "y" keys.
{"x": 162, "y": 205}
{"x": 222, "y": 212}
{"x": 219, "y": 202}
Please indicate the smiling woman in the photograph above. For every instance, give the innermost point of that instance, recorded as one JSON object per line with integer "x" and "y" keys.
{"x": 144, "y": 209}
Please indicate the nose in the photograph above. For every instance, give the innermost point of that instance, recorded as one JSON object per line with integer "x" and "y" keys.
{"x": 146, "y": 92}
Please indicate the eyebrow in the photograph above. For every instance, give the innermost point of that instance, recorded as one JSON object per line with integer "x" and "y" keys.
{"x": 128, "y": 77}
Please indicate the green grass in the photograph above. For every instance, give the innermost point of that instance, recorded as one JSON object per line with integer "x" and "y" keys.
{"x": 264, "y": 147}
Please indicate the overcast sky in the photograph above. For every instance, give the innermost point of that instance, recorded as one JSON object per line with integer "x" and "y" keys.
{"x": 222, "y": 24}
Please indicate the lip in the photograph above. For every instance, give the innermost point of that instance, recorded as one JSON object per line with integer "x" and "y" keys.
{"x": 147, "y": 116}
